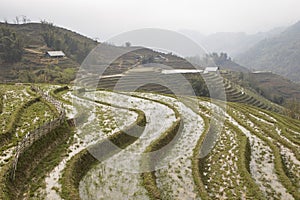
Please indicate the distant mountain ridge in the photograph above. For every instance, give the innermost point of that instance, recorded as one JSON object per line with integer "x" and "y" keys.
{"x": 232, "y": 43}
{"x": 280, "y": 54}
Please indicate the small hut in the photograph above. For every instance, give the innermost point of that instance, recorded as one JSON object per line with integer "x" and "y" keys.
{"x": 55, "y": 54}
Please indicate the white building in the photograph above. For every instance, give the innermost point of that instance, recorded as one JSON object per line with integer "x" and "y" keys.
{"x": 211, "y": 69}
{"x": 55, "y": 54}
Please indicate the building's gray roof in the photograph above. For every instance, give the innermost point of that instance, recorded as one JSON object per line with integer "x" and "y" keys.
{"x": 56, "y": 53}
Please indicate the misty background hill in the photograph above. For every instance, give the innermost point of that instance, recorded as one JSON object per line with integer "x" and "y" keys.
{"x": 233, "y": 43}
{"x": 279, "y": 54}
{"x": 276, "y": 50}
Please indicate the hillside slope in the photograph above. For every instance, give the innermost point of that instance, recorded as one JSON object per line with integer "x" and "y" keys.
{"x": 275, "y": 88}
{"x": 37, "y": 39}
{"x": 72, "y": 43}
{"x": 278, "y": 54}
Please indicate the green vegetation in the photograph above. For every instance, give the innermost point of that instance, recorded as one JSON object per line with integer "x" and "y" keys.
{"x": 56, "y": 39}
{"x": 196, "y": 161}
{"x": 27, "y": 45}
{"x": 75, "y": 170}
{"x": 31, "y": 170}
{"x": 1, "y": 102}
{"x": 198, "y": 85}
{"x": 33, "y": 116}
{"x": 225, "y": 170}
{"x": 279, "y": 168}
{"x": 57, "y": 93}
{"x": 11, "y": 46}
{"x": 51, "y": 73}
{"x": 12, "y": 97}
{"x": 25, "y": 118}
{"x": 244, "y": 164}
{"x": 13, "y": 123}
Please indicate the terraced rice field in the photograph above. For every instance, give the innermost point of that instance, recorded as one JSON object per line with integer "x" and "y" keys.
{"x": 21, "y": 113}
{"x": 12, "y": 96}
{"x": 254, "y": 156}
{"x": 125, "y": 165}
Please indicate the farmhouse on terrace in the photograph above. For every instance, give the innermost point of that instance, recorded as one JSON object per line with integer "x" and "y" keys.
{"x": 55, "y": 54}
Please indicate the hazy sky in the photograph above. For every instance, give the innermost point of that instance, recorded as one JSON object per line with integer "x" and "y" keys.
{"x": 105, "y": 18}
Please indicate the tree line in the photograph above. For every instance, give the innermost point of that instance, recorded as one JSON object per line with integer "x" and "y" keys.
{"x": 57, "y": 40}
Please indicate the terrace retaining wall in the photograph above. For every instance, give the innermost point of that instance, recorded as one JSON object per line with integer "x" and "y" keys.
{"x": 39, "y": 132}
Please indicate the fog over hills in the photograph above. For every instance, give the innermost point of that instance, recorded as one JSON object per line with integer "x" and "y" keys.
{"x": 233, "y": 43}
{"x": 279, "y": 54}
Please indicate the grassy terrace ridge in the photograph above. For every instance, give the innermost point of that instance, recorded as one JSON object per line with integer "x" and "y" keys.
{"x": 195, "y": 158}
{"x": 269, "y": 129}
{"x": 48, "y": 151}
{"x": 244, "y": 157}
{"x": 7, "y": 136}
{"x": 82, "y": 162}
{"x": 57, "y": 94}
{"x": 284, "y": 123}
{"x": 12, "y": 106}
{"x": 149, "y": 178}
{"x": 196, "y": 162}
{"x": 279, "y": 168}
{"x": 1, "y": 102}
{"x": 244, "y": 164}
{"x": 189, "y": 102}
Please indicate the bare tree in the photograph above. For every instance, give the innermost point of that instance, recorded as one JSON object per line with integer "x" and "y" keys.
{"x": 127, "y": 44}
{"x": 17, "y": 20}
{"x": 25, "y": 19}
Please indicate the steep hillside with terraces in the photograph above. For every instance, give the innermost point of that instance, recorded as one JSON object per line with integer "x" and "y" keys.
{"x": 254, "y": 153}
{"x": 157, "y": 82}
